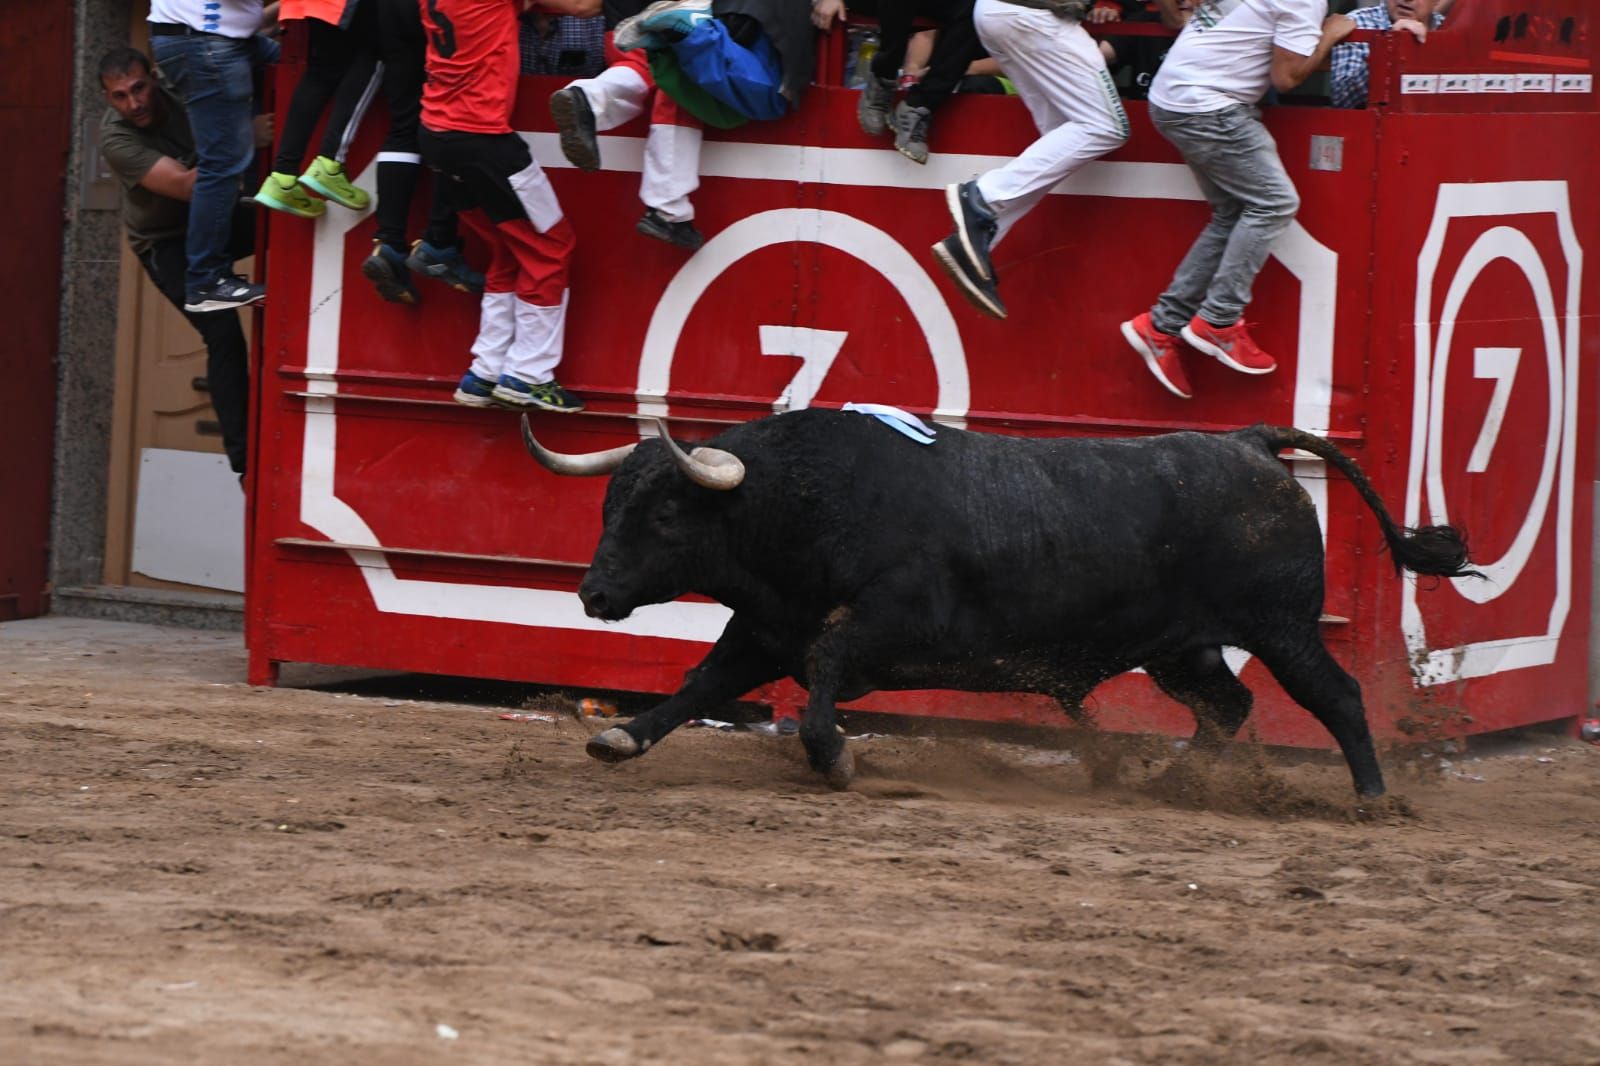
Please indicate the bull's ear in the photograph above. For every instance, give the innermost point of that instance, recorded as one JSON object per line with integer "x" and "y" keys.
{"x": 711, "y": 468}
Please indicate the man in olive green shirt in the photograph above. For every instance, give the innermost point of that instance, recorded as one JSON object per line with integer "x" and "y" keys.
{"x": 146, "y": 140}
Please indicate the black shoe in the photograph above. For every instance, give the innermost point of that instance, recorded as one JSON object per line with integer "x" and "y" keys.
{"x": 444, "y": 265}
{"x": 386, "y": 269}
{"x": 226, "y": 293}
{"x": 983, "y": 293}
{"x": 683, "y": 234}
{"x": 975, "y": 224}
{"x": 575, "y": 119}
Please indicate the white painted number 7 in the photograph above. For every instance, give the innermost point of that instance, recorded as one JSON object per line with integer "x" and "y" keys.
{"x": 1501, "y": 365}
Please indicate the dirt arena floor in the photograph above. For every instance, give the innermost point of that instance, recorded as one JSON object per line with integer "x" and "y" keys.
{"x": 194, "y": 871}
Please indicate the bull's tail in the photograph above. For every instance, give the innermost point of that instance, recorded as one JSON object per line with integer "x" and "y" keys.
{"x": 1436, "y": 550}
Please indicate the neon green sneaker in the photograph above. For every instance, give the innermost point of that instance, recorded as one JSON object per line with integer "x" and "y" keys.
{"x": 282, "y": 192}
{"x": 327, "y": 178}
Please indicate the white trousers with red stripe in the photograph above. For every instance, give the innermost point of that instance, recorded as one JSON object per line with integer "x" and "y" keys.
{"x": 523, "y": 316}
{"x": 620, "y": 94}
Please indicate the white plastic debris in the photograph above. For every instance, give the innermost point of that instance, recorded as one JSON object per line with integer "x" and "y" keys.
{"x": 1544, "y": 759}
{"x": 446, "y": 1032}
{"x": 712, "y": 723}
{"x": 1193, "y": 887}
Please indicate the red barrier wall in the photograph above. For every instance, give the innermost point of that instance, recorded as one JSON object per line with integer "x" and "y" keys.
{"x": 1429, "y": 311}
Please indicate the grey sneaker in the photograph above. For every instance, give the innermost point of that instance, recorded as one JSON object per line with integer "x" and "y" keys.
{"x": 911, "y": 131}
{"x": 872, "y": 110}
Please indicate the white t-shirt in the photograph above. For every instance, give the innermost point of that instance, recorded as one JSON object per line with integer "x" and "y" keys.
{"x": 230, "y": 18}
{"x": 1223, "y": 56}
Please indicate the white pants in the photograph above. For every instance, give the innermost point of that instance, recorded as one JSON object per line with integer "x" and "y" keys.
{"x": 518, "y": 338}
{"x": 671, "y": 153}
{"x": 1062, "y": 78}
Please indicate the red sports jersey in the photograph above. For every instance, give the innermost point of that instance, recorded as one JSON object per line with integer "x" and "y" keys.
{"x": 473, "y": 65}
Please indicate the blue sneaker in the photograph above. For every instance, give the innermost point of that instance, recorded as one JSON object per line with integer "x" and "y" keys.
{"x": 975, "y": 224}
{"x": 549, "y": 396}
{"x": 446, "y": 265}
{"x": 475, "y": 391}
{"x": 386, "y": 269}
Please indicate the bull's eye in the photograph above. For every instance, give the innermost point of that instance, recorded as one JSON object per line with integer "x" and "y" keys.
{"x": 665, "y": 516}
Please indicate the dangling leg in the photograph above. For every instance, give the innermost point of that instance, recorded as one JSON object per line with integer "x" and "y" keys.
{"x": 735, "y": 665}
{"x": 1300, "y": 661}
{"x": 1201, "y": 680}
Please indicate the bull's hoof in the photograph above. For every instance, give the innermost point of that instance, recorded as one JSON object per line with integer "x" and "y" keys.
{"x": 843, "y": 770}
{"x": 614, "y": 745}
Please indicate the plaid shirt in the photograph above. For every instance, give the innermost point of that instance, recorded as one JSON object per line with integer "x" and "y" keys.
{"x": 571, "y": 46}
{"x": 1347, "y": 77}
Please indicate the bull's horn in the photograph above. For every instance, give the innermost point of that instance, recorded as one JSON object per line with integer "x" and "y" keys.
{"x": 574, "y": 465}
{"x": 710, "y": 467}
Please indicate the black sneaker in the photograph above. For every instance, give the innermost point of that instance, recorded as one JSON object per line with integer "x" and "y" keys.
{"x": 872, "y": 110}
{"x": 982, "y": 293}
{"x": 575, "y": 119}
{"x": 911, "y": 131}
{"x": 226, "y": 293}
{"x": 386, "y": 269}
{"x": 975, "y": 224}
{"x": 683, "y": 234}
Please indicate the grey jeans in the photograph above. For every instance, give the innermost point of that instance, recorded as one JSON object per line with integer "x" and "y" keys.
{"x": 1236, "y": 162}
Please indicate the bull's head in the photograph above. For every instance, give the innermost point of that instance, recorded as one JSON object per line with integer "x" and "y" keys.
{"x": 662, "y": 534}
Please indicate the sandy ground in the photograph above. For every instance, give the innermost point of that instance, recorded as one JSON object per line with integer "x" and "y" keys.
{"x": 195, "y": 871}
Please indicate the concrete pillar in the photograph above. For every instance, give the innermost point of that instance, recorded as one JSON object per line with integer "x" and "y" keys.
{"x": 91, "y": 245}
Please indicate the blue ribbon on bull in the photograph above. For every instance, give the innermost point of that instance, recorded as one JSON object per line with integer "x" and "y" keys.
{"x": 902, "y": 422}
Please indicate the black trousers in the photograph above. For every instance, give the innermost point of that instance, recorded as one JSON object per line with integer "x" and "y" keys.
{"x": 401, "y": 47}
{"x": 955, "y": 47}
{"x": 227, "y": 353}
{"x": 341, "y": 67}
{"x": 476, "y": 169}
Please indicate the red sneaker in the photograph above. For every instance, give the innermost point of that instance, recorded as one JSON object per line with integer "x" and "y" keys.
{"x": 1162, "y": 354}
{"x": 1232, "y": 346}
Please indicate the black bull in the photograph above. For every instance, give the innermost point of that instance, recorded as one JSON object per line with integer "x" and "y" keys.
{"x": 856, "y": 560}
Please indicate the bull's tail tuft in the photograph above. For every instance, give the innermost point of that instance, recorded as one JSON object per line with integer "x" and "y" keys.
{"x": 1440, "y": 551}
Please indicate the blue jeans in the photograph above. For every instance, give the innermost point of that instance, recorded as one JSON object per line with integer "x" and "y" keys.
{"x": 213, "y": 75}
{"x": 1235, "y": 161}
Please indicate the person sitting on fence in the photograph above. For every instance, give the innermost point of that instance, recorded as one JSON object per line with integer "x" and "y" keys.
{"x": 1347, "y": 64}
{"x": 752, "y": 57}
{"x": 619, "y": 94}
{"x": 473, "y": 66}
{"x": 1058, "y": 71}
{"x": 146, "y": 140}
{"x": 1203, "y": 100}
{"x": 955, "y": 47}
{"x": 342, "y": 66}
